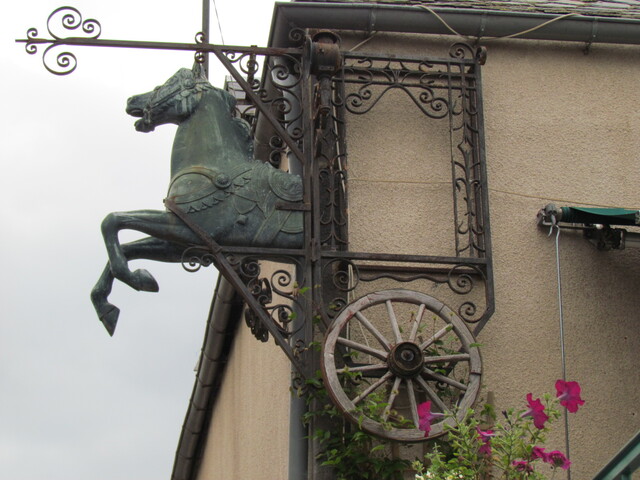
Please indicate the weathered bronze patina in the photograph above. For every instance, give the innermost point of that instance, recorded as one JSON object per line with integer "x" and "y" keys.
{"x": 214, "y": 179}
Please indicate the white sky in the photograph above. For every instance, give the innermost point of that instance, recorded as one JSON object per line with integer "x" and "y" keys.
{"x": 76, "y": 404}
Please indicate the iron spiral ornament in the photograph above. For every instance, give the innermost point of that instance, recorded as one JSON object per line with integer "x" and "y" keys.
{"x": 62, "y": 20}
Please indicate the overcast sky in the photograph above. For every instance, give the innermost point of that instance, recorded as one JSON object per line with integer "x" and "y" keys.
{"x": 76, "y": 404}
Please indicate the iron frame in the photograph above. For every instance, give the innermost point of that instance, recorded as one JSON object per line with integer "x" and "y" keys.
{"x": 302, "y": 98}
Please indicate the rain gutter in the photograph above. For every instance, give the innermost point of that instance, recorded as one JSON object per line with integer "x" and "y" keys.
{"x": 222, "y": 324}
{"x": 475, "y": 23}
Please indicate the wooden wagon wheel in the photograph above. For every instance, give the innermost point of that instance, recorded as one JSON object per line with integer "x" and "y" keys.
{"x": 391, "y": 350}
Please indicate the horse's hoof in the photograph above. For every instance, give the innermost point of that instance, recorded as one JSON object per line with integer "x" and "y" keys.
{"x": 110, "y": 319}
{"x": 144, "y": 281}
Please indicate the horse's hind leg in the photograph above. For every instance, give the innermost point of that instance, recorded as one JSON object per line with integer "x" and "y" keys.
{"x": 162, "y": 225}
{"x": 146, "y": 248}
{"x": 107, "y": 312}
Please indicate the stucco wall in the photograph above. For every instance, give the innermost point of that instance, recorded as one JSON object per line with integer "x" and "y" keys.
{"x": 249, "y": 429}
{"x": 561, "y": 127}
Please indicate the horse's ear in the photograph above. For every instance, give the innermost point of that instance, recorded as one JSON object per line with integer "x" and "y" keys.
{"x": 198, "y": 71}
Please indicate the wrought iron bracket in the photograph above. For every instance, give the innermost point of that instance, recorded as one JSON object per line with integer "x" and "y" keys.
{"x": 232, "y": 276}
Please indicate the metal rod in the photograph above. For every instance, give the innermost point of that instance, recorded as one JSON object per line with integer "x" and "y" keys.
{"x": 392, "y": 257}
{"x": 224, "y": 267}
{"x": 205, "y": 31}
{"x": 562, "y": 349}
{"x": 204, "y": 47}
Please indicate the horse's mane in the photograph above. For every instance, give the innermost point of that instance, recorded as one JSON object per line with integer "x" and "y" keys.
{"x": 194, "y": 85}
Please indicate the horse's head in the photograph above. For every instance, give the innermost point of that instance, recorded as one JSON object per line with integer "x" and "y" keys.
{"x": 172, "y": 102}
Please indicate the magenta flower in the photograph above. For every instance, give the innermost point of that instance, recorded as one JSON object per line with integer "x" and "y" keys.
{"x": 485, "y": 438}
{"x": 569, "y": 395}
{"x": 426, "y": 416}
{"x": 558, "y": 459}
{"x": 536, "y": 410}
{"x": 522, "y": 466}
{"x": 538, "y": 452}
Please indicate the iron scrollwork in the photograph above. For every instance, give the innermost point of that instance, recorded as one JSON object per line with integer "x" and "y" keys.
{"x": 441, "y": 89}
{"x": 420, "y": 80}
{"x": 279, "y": 93}
{"x": 343, "y": 274}
{"x": 468, "y": 204}
{"x": 278, "y": 295}
{"x": 464, "y": 51}
{"x": 70, "y": 19}
{"x": 196, "y": 257}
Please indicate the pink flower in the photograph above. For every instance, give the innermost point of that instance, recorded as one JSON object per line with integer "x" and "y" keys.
{"x": 485, "y": 438}
{"x": 538, "y": 452}
{"x": 536, "y": 410}
{"x": 426, "y": 416}
{"x": 522, "y": 466}
{"x": 569, "y": 395}
{"x": 558, "y": 459}
{"x": 555, "y": 458}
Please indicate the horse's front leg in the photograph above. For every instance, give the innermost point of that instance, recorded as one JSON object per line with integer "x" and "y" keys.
{"x": 147, "y": 248}
{"x": 162, "y": 225}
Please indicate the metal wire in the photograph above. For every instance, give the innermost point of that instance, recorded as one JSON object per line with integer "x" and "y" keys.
{"x": 562, "y": 347}
{"x": 513, "y": 35}
{"x": 215, "y": 8}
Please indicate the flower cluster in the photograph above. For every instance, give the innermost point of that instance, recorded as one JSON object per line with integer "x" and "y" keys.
{"x": 555, "y": 458}
{"x": 512, "y": 448}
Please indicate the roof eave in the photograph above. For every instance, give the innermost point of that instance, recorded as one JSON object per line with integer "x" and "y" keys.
{"x": 475, "y": 23}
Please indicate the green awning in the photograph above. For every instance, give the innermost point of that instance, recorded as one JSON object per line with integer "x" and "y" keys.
{"x": 606, "y": 216}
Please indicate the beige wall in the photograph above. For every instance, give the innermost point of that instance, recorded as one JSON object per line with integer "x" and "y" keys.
{"x": 571, "y": 139}
{"x": 249, "y": 431}
{"x": 562, "y": 127}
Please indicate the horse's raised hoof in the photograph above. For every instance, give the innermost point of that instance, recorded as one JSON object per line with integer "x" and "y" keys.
{"x": 110, "y": 319}
{"x": 144, "y": 281}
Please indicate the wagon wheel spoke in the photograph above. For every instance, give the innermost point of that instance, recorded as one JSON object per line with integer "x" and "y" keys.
{"x": 362, "y": 348}
{"x": 413, "y": 404}
{"x": 392, "y": 398}
{"x": 457, "y": 357}
{"x": 432, "y": 395}
{"x": 416, "y": 323}
{"x": 372, "y": 387}
{"x": 445, "y": 379}
{"x": 394, "y": 321}
{"x": 364, "y": 369}
{"x": 437, "y": 336}
{"x": 374, "y": 331}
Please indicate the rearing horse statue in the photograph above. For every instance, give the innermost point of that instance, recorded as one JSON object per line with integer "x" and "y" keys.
{"x": 214, "y": 179}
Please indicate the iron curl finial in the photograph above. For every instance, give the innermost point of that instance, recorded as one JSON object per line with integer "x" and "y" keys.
{"x": 199, "y": 56}
{"x": 200, "y": 37}
{"x": 70, "y": 19}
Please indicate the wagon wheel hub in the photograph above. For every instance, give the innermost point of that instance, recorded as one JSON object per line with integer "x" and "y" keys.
{"x": 406, "y": 360}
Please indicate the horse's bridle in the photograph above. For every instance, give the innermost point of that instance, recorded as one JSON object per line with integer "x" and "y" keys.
{"x": 194, "y": 86}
